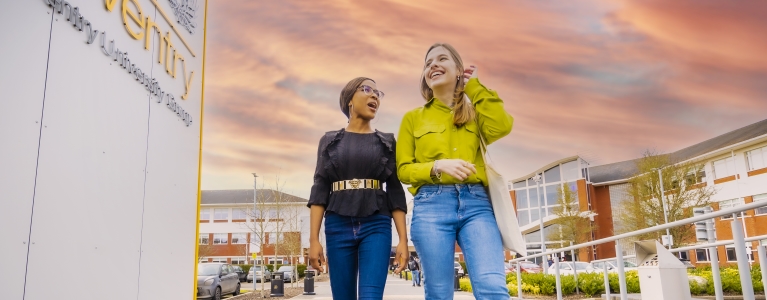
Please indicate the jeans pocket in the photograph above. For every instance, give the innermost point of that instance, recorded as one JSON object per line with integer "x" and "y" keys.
{"x": 479, "y": 191}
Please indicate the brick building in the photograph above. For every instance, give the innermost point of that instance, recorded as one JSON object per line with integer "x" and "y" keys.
{"x": 735, "y": 164}
{"x": 228, "y": 233}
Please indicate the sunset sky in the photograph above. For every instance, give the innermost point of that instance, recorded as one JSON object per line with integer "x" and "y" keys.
{"x": 602, "y": 79}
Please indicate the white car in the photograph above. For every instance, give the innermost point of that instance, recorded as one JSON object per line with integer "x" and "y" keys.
{"x": 566, "y": 268}
{"x": 458, "y": 267}
{"x": 612, "y": 266}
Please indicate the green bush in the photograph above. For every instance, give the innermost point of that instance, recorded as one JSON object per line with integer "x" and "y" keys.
{"x": 465, "y": 284}
{"x": 756, "y": 278}
{"x": 632, "y": 282}
{"x": 568, "y": 284}
{"x": 591, "y": 284}
{"x": 696, "y": 289}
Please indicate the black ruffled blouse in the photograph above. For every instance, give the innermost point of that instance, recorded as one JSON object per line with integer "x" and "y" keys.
{"x": 344, "y": 155}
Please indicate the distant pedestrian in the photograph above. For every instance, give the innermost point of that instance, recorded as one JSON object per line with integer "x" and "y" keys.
{"x": 551, "y": 261}
{"x": 415, "y": 268}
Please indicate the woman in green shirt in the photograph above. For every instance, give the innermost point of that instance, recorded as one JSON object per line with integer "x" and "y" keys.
{"x": 438, "y": 155}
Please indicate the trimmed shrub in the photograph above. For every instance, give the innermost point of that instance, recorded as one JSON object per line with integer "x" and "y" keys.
{"x": 591, "y": 284}
{"x": 245, "y": 268}
{"x": 465, "y": 269}
{"x": 464, "y": 284}
{"x": 632, "y": 282}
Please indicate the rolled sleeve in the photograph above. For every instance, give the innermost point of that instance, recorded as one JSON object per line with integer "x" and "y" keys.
{"x": 493, "y": 119}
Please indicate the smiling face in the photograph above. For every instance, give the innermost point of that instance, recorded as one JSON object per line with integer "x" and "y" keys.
{"x": 440, "y": 69}
{"x": 365, "y": 106}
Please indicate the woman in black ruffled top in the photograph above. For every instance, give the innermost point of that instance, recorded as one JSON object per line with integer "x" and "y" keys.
{"x": 357, "y": 191}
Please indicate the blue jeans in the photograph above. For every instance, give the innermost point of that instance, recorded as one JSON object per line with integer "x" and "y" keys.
{"x": 416, "y": 277}
{"x": 357, "y": 246}
{"x": 444, "y": 214}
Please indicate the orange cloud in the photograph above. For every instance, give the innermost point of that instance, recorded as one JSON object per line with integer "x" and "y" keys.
{"x": 603, "y": 79}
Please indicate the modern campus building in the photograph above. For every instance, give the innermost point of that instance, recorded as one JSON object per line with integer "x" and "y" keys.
{"x": 231, "y": 229}
{"x": 734, "y": 164}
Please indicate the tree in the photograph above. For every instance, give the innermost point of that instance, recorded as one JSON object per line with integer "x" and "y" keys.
{"x": 574, "y": 225}
{"x": 290, "y": 241}
{"x": 684, "y": 186}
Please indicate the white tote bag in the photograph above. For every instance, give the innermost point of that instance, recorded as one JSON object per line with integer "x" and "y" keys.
{"x": 503, "y": 209}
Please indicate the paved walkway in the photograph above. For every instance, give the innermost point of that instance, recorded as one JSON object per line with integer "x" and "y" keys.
{"x": 396, "y": 288}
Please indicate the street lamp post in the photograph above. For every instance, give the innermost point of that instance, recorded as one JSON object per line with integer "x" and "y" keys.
{"x": 255, "y": 192}
{"x": 663, "y": 204}
{"x": 537, "y": 179}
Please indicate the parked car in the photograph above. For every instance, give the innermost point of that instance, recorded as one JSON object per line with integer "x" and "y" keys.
{"x": 215, "y": 280}
{"x": 567, "y": 268}
{"x": 288, "y": 273}
{"x": 259, "y": 271}
{"x": 612, "y": 266}
{"x": 458, "y": 267}
{"x": 240, "y": 273}
{"x": 524, "y": 267}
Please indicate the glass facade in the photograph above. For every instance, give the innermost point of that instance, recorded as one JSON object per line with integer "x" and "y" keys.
{"x": 534, "y": 202}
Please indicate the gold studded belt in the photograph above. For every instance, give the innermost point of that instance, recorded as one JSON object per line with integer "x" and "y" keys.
{"x": 356, "y": 184}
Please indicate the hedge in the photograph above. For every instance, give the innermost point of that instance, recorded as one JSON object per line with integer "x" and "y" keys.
{"x": 592, "y": 284}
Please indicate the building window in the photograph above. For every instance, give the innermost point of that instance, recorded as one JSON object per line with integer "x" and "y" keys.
{"x": 239, "y": 260}
{"x": 732, "y": 256}
{"x": 220, "y": 214}
{"x": 239, "y": 214}
{"x": 272, "y": 261}
{"x": 570, "y": 171}
{"x": 522, "y": 199}
{"x": 684, "y": 255}
{"x": 724, "y": 168}
{"x": 524, "y": 217}
{"x": 220, "y": 239}
{"x": 274, "y": 237}
{"x": 695, "y": 177}
{"x": 519, "y": 184}
{"x": 760, "y": 198}
{"x": 729, "y": 204}
{"x": 701, "y": 255}
{"x": 219, "y": 260}
{"x": 552, "y": 175}
{"x": 205, "y": 214}
{"x": 204, "y": 239}
{"x": 239, "y": 238}
{"x": 757, "y": 159}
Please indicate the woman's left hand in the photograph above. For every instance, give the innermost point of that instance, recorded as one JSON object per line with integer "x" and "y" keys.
{"x": 402, "y": 256}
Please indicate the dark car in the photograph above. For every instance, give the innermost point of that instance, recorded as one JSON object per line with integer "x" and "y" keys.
{"x": 215, "y": 280}
{"x": 240, "y": 273}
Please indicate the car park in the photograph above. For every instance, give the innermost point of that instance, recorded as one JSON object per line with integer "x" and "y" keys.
{"x": 612, "y": 266}
{"x": 570, "y": 268}
{"x": 288, "y": 273}
{"x": 240, "y": 273}
{"x": 458, "y": 267}
{"x": 524, "y": 267}
{"x": 260, "y": 272}
{"x": 215, "y": 280}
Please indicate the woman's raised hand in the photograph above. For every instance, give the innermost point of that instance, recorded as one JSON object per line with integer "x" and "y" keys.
{"x": 456, "y": 168}
{"x": 469, "y": 73}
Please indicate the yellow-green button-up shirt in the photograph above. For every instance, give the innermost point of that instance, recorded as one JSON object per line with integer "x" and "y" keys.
{"x": 427, "y": 134}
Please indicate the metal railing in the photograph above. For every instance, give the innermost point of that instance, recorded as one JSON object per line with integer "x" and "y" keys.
{"x": 738, "y": 240}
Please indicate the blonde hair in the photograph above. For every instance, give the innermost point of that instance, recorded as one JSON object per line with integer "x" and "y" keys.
{"x": 463, "y": 111}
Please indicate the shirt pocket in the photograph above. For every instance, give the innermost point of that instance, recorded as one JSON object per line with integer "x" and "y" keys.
{"x": 429, "y": 139}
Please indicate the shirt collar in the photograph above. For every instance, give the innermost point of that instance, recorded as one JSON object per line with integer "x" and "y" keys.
{"x": 438, "y": 104}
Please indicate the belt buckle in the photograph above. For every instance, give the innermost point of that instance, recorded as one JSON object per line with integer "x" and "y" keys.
{"x": 355, "y": 183}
